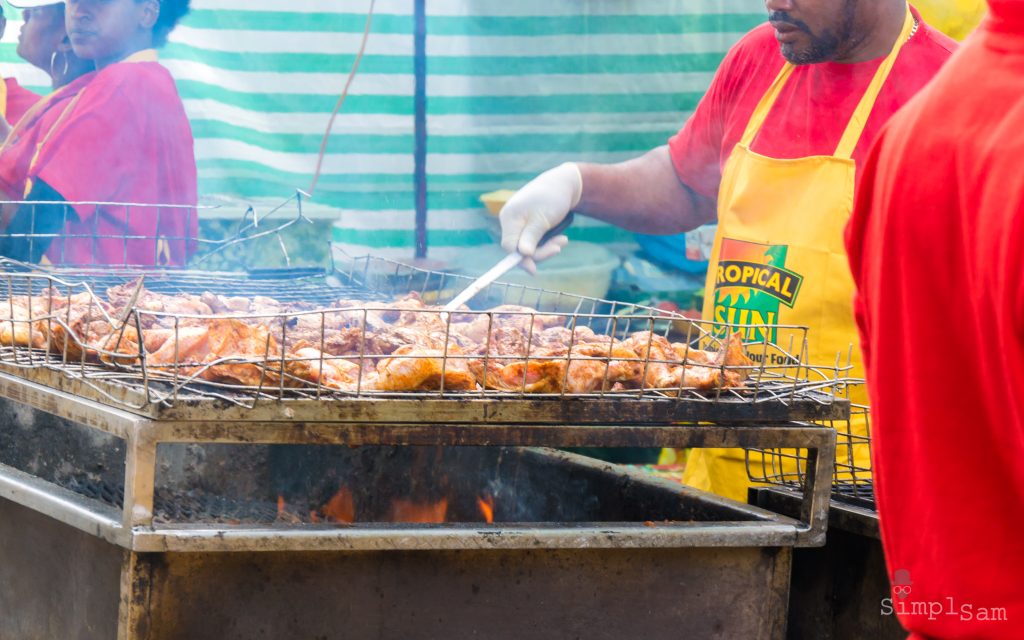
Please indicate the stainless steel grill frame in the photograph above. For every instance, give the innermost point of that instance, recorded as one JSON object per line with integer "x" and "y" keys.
{"x": 134, "y": 528}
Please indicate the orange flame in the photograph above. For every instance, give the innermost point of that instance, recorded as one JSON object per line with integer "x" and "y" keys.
{"x": 280, "y": 506}
{"x": 486, "y": 504}
{"x": 408, "y": 511}
{"x": 341, "y": 507}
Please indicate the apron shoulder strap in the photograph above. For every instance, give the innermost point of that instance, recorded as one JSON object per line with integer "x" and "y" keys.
{"x": 764, "y": 107}
{"x": 854, "y": 130}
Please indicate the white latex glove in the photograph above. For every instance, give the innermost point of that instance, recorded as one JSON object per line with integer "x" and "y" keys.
{"x": 536, "y": 209}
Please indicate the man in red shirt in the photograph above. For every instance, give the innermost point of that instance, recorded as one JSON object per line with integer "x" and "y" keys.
{"x": 771, "y": 155}
{"x": 936, "y": 247}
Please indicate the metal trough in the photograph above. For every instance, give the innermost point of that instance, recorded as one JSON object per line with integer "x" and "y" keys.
{"x": 232, "y": 536}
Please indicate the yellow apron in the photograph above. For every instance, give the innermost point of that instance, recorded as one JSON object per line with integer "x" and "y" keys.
{"x": 779, "y": 258}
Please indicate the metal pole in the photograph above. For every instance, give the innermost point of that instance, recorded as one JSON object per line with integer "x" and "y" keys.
{"x": 420, "y": 71}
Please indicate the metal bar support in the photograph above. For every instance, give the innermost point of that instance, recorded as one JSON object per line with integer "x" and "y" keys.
{"x": 140, "y": 479}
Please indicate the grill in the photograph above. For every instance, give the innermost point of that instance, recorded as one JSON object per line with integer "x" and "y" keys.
{"x": 166, "y": 490}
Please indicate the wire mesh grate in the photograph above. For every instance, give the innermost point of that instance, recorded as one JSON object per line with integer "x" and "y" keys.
{"x": 92, "y": 234}
{"x": 852, "y": 481}
{"x": 357, "y": 330}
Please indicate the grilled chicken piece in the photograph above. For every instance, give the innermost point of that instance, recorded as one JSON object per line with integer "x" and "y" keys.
{"x": 186, "y": 345}
{"x": 597, "y": 367}
{"x": 83, "y": 329}
{"x": 76, "y": 327}
{"x": 658, "y": 359}
{"x": 589, "y": 368}
{"x": 687, "y": 353}
{"x": 554, "y": 337}
{"x": 23, "y": 319}
{"x": 733, "y": 354}
{"x": 256, "y": 349}
{"x": 408, "y": 312}
{"x": 157, "y": 303}
{"x": 313, "y": 365}
{"x": 535, "y": 376}
{"x": 412, "y": 368}
{"x": 507, "y": 316}
{"x": 505, "y": 341}
{"x": 224, "y": 350}
{"x": 126, "y": 343}
{"x": 224, "y": 304}
{"x": 701, "y": 370}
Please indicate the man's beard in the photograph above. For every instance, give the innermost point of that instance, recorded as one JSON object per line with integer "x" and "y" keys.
{"x": 824, "y": 47}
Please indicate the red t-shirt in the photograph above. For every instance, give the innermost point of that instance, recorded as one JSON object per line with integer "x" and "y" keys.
{"x": 811, "y": 113}
{"x": 127, "y": 140}
{"x": 936, "y": 246}
{"x": 17, "y": 153}
{"x": 19, "y": 100}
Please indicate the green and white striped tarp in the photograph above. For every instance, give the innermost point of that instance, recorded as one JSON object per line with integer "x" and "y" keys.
{"x": 514, "y": 87}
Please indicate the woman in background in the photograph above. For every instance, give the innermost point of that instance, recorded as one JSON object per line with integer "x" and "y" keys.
{"x": 15, "y": 99}
{"x": 123, "y": 137}
{"x": 43, "y": 42}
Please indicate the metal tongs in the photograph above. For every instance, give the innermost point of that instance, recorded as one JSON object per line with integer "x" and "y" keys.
{"x": 509, "y": 262}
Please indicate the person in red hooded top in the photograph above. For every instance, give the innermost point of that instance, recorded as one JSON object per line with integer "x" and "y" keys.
{"x": 936, "y": 246}
{"x": 115, "y": 145}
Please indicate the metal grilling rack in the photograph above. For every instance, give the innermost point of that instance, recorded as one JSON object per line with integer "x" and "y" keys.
{"x": 93, "y": 234}
{"x": 852, "y": 481}
{"x": 131, "y": 379}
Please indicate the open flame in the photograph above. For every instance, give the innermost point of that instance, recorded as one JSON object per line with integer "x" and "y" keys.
{"x": 408, "y": 511}
{"x": 340, "y": 508}
{"x": 486, "y": 504}
{"x": 280, "y": 506}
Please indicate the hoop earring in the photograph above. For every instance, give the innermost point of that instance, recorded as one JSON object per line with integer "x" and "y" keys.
{"x": 53, "y": 64}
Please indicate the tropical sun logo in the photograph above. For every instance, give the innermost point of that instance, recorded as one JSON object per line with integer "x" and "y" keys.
{"x": 751, "y": 282}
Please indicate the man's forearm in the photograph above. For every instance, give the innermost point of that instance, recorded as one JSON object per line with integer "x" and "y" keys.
{"x": 643, "y": 195}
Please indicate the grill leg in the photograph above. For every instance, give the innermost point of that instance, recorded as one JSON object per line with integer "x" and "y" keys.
{"x": 136, "y": 585}
{"x": 816, "y": 490}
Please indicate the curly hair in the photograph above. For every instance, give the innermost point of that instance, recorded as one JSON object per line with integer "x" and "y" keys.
{"x": 171, "y": 13}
